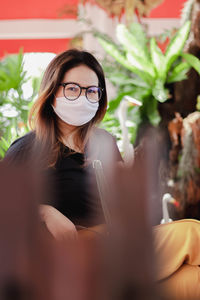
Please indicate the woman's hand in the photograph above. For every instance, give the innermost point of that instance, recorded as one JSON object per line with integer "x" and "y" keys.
{"x": 58, "y": 225}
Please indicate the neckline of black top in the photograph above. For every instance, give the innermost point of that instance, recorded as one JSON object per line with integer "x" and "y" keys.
{"x": 66, "y": 148}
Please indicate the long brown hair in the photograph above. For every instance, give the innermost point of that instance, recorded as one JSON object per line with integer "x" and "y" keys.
{"x": 42, "y": 117}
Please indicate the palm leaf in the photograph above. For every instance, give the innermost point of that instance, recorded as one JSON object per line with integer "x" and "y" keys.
{"x": 158, "y": 59}
{"x": 192, "y": 60}
{"x": 186, "y": 11}
{"x": 133, "y": 46}
{"x": 176, "y": 45}
{"x": 115, "y": 53}
{"x": 179, "y": 72}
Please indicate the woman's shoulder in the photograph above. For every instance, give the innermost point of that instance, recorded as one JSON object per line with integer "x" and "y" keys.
{"x": 20, "y": 146}
{"x": 23, "y": 141}
{"x": 100, "y": 132}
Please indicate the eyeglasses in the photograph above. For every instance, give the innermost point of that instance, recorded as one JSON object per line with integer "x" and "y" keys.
{"x": 72, "y": 91}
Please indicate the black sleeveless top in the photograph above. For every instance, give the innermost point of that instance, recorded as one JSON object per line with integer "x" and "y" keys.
{"x": 71, "y": 185}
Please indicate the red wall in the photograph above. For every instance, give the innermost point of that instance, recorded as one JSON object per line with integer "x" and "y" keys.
{"x": 30, "y": 9}
{"x": 168, "y": 9}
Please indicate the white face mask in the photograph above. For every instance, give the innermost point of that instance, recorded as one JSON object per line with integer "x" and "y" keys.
{"x": 77, "y": 112}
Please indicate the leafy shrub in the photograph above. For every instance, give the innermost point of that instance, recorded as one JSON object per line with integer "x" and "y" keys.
{"x": 140, "y": 69}
{"x": 14, "y": 104}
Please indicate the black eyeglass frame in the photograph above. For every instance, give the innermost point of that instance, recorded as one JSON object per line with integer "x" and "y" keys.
{"x": 81, "y": 88}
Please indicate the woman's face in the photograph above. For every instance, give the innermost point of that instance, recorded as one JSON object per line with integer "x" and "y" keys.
{"x": 79, "y": 111}
{"x": 82, "y": 75}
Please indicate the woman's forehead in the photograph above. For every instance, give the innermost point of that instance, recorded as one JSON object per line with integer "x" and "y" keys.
{"x": 82, "y": 75}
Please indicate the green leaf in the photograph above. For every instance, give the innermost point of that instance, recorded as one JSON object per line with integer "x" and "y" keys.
{"x": 103, "y": 36}
{"x": 121, "y": 79}
{"x": 159, "y": 91}
{"x": 114, "y": 52}
{"x": 192, "y": 60}
{"x": 158, "y": 59}
{"x": 111, "y": 124}
{"x": 129, "y": 41}
{"x": 139, "y": 83}
{"x": 152, "y": 111}
{"x": 141, "y": 65}
{"x": 176, "y": 45}
{"x": 139, "y": 34}
{"x": 2, "y": 152}
{"x": 179, "y": 72}
{"x": 4, "y": 144}
{"x": 113, "y": 104}
{"x": 133, "y": 47}
{"x": 186, "y": 10}
{"x": 11, "y": 72}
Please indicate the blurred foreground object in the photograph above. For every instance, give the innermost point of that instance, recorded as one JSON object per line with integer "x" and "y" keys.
{"x": 126, "y": 259}
{"x": 23, "y": 258}
{"x": 34, "y": 265}
{"x": 129, "y": 271}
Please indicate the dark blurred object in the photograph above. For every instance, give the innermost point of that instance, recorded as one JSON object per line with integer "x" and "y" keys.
{"x": 129, "y": 271}
{"x": 33, "y": 265}
{"x": 24, "y": 259}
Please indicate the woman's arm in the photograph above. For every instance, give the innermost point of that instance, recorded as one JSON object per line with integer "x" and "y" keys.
{"x": 61, "y": 228}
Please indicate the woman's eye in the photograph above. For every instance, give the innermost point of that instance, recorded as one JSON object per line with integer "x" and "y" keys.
{"x": 92, "y": 91}
{"x": 72, "y": 89}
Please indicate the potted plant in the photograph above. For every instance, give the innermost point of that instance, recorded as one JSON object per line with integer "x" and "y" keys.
{"x": 146, "y": 72}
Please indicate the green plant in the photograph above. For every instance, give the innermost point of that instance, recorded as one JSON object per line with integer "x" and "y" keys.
{"x": 14, "y": 103}
{"x": 186, "y": 11}
{"x": 146, "y": 72}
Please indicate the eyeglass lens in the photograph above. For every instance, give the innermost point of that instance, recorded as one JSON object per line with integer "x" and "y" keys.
{"x": 73, "y": 91}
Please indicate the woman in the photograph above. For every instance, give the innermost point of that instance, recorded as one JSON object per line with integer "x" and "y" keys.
{"x": 72, "y": 101}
